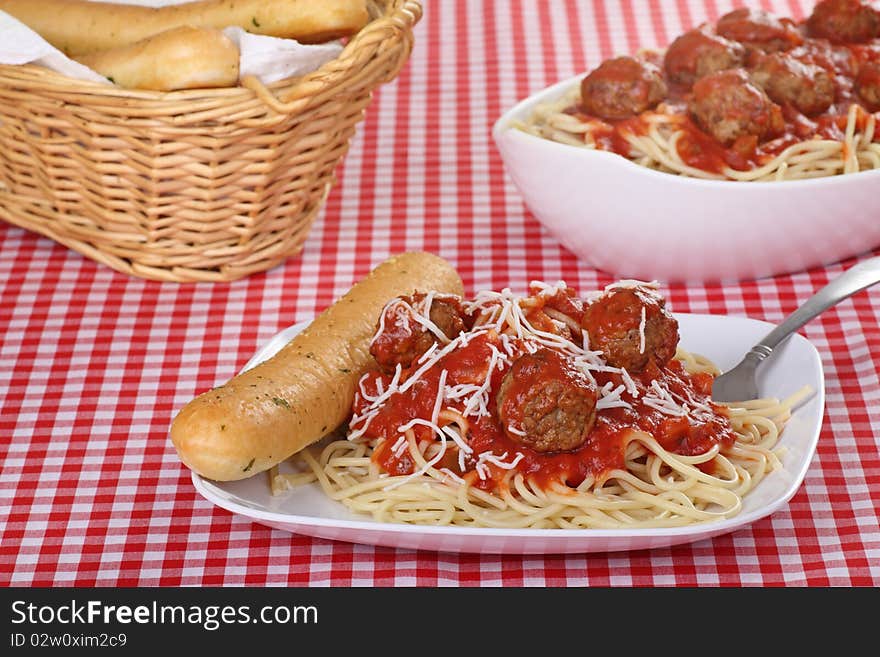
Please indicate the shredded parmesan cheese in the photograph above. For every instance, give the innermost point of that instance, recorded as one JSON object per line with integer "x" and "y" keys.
{"x": 630, "y": 283}
{"x": 642, "y": 332}
{"x": 505, "y": 321}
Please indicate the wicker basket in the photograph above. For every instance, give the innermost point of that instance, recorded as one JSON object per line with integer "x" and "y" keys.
{"x": 204, "y": 185}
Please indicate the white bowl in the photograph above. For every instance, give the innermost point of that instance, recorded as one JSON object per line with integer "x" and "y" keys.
{"x": 634, "y": 222}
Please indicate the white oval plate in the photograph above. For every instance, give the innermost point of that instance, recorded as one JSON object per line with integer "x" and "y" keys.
{"x": 724, "y": 339}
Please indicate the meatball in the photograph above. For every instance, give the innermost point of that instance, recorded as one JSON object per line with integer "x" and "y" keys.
{"x": 867, "y": 86}
{"x": 401, "y": 339}
{"x": 545, "y": 403}
{"x": 807, "y": 88}
{"x": 729, "y": 107}
{"x": 631, "y": 327}
{"x": 758, "y": 30}
{"x": 448, "y": 316}
{"x": 622, "y": 87}
{"x": 836, "y": 59}
{"x": 697, "y": 53}
{"x": 844, "y": 21}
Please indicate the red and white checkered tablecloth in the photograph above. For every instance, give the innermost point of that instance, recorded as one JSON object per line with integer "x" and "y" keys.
{"x": 94, "y": 363}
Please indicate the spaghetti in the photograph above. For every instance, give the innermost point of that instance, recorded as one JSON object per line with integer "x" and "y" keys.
{"x": 751, "y": 98}
{"x": 661, "y": 140}
{"x": 467, "y": 433}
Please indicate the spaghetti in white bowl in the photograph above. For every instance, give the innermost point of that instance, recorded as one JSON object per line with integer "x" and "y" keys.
{"x": 308, "y": 510}
{"x": 636, "y": 222}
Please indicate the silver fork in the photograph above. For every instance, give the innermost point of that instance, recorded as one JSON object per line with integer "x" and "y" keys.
{"x": 738, "y": 383}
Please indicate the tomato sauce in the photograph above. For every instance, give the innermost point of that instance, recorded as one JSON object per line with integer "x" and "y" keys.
{"x": 604, "y": 450}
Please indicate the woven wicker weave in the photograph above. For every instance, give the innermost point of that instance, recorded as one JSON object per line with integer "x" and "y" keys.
{"x": 203, "y": 185}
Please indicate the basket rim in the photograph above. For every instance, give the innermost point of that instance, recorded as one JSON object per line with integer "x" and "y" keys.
{"x": 403, "y": 14}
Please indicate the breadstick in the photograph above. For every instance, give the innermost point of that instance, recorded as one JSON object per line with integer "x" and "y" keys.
{"x": 80, "y": 26}
{"x": 179, "y": 58}
{"x": 264, "y": 415}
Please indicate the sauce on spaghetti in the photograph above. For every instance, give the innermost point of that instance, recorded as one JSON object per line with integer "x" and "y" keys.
{"x": 465, "y": 378}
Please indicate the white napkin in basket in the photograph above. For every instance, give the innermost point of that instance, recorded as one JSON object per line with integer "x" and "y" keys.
{"x": 268, "y": 58}
{"x": 19, "y": 44}
{"x": 272, "y": 59}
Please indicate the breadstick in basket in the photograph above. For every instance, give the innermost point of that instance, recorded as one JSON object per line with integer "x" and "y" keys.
{"x": 179, "y": 58}
{"x": 81, "y": 26}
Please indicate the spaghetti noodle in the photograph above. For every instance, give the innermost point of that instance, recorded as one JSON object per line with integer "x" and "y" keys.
{"x": 434, "y": 441}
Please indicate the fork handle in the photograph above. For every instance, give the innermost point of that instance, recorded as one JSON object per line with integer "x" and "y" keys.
{"x": 855, "y": 279}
